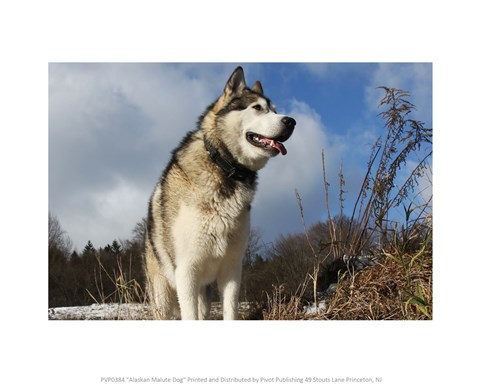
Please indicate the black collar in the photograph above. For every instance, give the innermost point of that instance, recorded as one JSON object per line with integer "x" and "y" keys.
{"x": 231, "y": 169}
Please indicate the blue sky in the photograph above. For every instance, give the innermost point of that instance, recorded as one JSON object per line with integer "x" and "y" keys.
{"x": 112, "y": 128}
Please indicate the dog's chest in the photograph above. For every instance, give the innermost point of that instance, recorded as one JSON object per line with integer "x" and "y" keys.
{"x": 226, "y": 213}
{"x": 225, "y": 221}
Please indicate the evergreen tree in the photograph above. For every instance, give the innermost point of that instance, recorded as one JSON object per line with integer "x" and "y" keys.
{"x": 89, "y": 249}
{"x": 116, "y": 248}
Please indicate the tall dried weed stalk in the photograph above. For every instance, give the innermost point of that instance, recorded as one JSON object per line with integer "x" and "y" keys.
{"x": 379, "y": 192}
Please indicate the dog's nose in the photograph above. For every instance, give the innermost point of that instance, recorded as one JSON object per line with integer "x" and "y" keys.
{"x": 287, "y": 130}
{"x": 289, "y": 122}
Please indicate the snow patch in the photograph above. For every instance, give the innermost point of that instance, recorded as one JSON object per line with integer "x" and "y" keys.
{"x": 102, "y": 312}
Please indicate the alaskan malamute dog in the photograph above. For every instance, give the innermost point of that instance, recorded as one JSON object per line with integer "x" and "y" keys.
{"x": 199, "y": 212}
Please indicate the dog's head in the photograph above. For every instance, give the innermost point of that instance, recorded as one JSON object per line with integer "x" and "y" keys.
{"x": 247, "y": 123}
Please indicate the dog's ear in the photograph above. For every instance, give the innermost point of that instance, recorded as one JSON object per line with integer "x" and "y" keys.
{"x": 236, "y": 83}
{"x": 257, "y": 87}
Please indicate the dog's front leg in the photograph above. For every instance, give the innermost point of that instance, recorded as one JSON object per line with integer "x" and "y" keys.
{"x": 229, "y": 287}
{"x": 230, "y": 300}
{"x": 187, "y": 291}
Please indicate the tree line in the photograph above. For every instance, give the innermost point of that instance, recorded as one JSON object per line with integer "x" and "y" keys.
{"x": 114, "y": 272}
{"x": 111, "y": 273}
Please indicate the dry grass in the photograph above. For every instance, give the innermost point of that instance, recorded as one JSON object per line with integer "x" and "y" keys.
{"x": 399, "y": 288}
{"x": 126, "y": 293}
{"x": 281, "y": 308}
{"x": 385, "y": 292}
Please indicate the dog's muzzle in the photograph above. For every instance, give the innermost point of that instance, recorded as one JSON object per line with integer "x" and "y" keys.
{"x": 274, "y": 145}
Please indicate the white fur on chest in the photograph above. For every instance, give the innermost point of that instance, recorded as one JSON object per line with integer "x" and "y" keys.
{"x": 211, "y": 237}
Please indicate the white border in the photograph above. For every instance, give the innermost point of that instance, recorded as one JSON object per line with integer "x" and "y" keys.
{"x": 35, "y": 33}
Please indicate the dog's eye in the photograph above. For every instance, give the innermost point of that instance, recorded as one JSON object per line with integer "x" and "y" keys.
{"x": 258, "y": 107}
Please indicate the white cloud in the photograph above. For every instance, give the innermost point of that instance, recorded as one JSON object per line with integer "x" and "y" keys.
{"x": 118, "y": 207}
{"x": 106, "y": 214}
{"x": 275, "y": 204}
{"x": 111, "y": 122}
{"x": 304, "y": 150}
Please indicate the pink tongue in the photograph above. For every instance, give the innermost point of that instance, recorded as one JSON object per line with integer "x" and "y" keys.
{"x": 275, "y": 144}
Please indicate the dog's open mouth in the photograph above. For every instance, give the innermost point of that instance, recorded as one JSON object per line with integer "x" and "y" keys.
{"x": 266, "y": 143}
